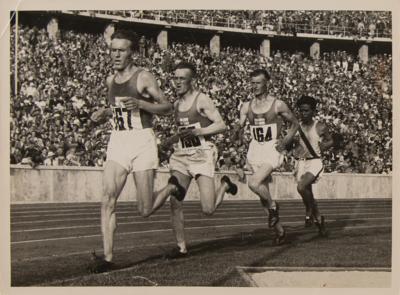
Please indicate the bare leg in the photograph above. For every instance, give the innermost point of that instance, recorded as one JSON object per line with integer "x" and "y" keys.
{"x": 259, "y": 185}
{"x": 209, "y": 198}
{"x": 304, "y": 187}
{"x": 149, "y": 201}
{"x": 114, "y": 179}
{"x": 177, "y": 217}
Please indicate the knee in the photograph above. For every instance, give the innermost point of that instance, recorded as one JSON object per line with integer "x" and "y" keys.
{"x": 301, "y": 187}
{"x": 254, "y": 184}
{"x": 208, "y": 211}
{"x": 109, "y": 204}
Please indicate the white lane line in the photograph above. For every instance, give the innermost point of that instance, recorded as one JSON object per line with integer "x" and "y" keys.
{"x": 186, "y": 220}
{"x": 164, "y": 244}
{"x": 166, "y": 230}
{"x": 239, "y": 210}
{"x": 230, "y": 202}
{"x": 130, "y": 248}
{"x": 149, "y": 219}
{"x": 229, "y": 207}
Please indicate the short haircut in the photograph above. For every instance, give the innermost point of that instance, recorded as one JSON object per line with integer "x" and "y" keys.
{"x": 305, "y": 99}
{"x": 127, "y": 35}
{"x": 187, "y": 65}
{"x": 259, "y": 72}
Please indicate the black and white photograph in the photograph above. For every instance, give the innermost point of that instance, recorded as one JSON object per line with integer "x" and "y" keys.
{"x": 205, "y": 147}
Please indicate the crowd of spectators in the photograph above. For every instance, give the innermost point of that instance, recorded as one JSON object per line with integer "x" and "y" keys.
{"x": 349, "y": 23}
{"x": 60, "y": 83}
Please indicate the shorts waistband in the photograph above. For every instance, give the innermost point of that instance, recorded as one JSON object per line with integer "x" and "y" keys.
{"x": 134, "y": 130}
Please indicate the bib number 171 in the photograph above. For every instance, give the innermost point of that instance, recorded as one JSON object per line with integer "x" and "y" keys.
{"x": 120, "y": 119}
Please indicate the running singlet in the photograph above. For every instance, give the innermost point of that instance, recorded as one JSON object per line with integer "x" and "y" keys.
{"x": 266, "y": 126}
{"x": 191, "y": 119}
{"x": 124, "y": 119}
{"x": 313, "y": 138}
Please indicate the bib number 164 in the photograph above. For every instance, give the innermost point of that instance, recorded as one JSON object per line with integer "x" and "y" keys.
{"x": 262, "y": 134}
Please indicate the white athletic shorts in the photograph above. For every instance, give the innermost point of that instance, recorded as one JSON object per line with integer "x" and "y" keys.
{"x": 314, "y": 166}
{"x": 135, "y": 150}
{"x": 261, "y": 154}
{"x": 195, "y": 162}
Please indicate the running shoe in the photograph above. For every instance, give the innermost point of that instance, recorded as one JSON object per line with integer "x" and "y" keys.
{"x": 232, "y": 188}
{"x": 99, "y": 264}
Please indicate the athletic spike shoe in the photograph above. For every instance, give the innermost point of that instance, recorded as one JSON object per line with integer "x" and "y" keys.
{"x": 308, "y": 221}
{"x": 180, "y": 190}
{"x": 273, "y": 217}
{"x": 280, "y": 239}
{"x": 232, "y": 188}
{"x": 175, "y": 253}
{"x": 99, "y": 264}
{"x": 322, "y": 227}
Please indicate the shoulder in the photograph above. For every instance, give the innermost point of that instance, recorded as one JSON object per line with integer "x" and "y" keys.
{"x": 281, "y": 106}
{"x": 145, "y": 76}
{"x": 280, "y": 103}
{"x": 109, "y": 80}
{"x": 321, "y": 127}
{"x": 204, "y": 102}
{"x": 204, "y": 99}
{"x": 146, "y": 80}
{"x": 245, "y": 106}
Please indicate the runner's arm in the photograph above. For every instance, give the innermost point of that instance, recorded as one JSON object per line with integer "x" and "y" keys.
{"x": 327, "y": 140}
{"x": 101, "y": 115}
{"x": 238, "y": 128}
{"x": 209, "y": 110}
{"x": 150, "y": 86}
{"x": 284, "y": 111}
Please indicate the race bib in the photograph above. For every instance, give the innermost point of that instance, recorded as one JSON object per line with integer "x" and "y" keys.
{"x": 191, "y": 142}
{"x": 263, "y": 133}
{"x": 124, "y": 119}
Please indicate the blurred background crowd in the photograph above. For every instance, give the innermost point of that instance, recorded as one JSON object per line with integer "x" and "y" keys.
{"x": 62, "y": 81}
{"x": 351, "y": 23}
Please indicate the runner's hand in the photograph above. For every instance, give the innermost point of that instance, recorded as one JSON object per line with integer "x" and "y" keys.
{"x": 169, "y": 141}
{"x": 131, "y": 103}
{"x": 100, "y": 115}
{"x": 186, "y": 133}
{"x": 280, "y": 146}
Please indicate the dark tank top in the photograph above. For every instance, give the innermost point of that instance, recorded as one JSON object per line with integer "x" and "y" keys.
{"x": 123, "y": 118}
{"x": 265, "y": 126}
{"x": 192, "y": 119}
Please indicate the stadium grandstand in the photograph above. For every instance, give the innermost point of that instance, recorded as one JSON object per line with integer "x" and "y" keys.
{"x": 60, "y": 60}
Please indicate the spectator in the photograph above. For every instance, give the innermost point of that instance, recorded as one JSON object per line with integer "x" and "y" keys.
{"x": 312, "y": 21}
{"x": 66, "y": 86}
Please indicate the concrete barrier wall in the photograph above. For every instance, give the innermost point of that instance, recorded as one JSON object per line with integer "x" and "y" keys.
{"x": 78, "y": 184}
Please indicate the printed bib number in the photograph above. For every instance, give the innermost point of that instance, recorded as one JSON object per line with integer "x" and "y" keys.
{"x": 263, "y": 133}
{"x": 122, "y": 119}
{"x": 125, "y": 119}
{"x": 191, "y": 141}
